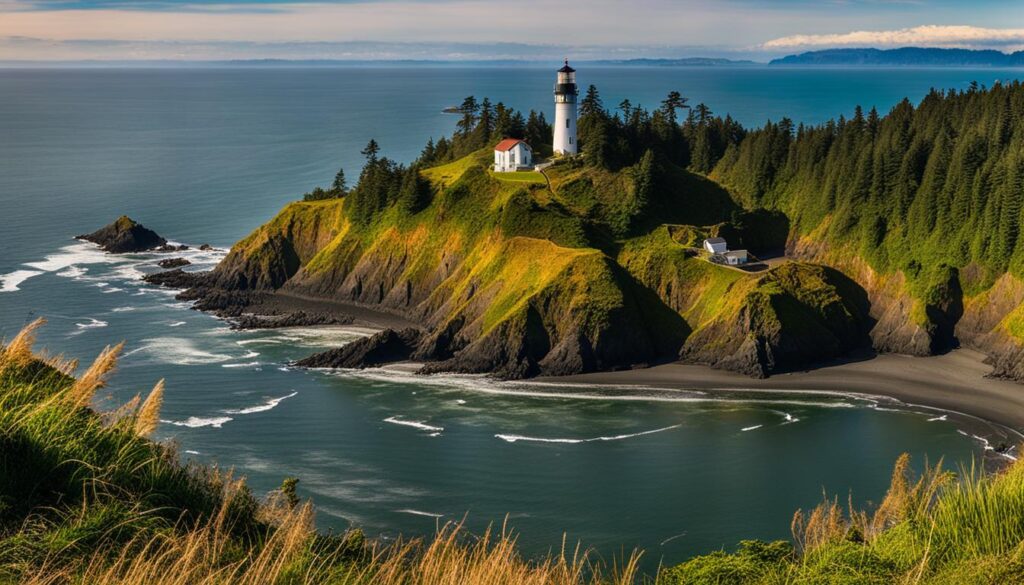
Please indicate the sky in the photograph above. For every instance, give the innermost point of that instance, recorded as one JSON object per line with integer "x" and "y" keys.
{"x": 485, "y": 30}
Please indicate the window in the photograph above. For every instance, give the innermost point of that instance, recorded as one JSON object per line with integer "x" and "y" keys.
{"x": 567, "y": 122}
{"x": 570, "y": 140}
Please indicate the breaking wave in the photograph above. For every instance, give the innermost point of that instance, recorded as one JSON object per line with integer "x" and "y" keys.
{"x": 415, "y": 424}
{"x": 517, "y": 438}
{"x": 195, "y": 422}
{"x": 178, "y": 351}
{"x": 420, "y": 513}
{"x": 269, "y": 404}
{"x": 9, "y": 282}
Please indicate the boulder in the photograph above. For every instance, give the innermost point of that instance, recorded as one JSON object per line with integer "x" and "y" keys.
{"x": 173, "y": 263}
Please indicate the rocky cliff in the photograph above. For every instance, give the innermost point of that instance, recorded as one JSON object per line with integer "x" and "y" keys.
{"x": 517, "y": 279}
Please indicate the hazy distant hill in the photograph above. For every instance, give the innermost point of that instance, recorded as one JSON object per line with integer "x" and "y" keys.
{"x": 907, "y": 56}
{"x": 684, "y": 62}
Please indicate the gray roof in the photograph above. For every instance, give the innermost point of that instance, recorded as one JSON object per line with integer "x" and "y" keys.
{"x": 715, "y": 240}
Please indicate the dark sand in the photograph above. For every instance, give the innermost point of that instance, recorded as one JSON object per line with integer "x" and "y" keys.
{"x": 955, "y": 382}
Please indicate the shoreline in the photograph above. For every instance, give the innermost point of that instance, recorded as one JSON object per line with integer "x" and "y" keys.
{"x": 953, "y": 382}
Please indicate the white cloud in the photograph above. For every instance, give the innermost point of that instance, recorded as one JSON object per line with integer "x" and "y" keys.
{"x": 918, "y": 36}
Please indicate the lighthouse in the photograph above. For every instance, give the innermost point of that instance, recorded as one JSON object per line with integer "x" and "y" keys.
{"x": 565, "y": 111}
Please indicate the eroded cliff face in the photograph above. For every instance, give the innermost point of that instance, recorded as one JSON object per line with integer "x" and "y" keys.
{"x": 902, "y": 322}
{"x": 935, "y": 315}
{"x": 992, "y": 324}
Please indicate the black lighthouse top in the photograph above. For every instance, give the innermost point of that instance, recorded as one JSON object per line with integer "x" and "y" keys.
{"x": 565, "y": 86}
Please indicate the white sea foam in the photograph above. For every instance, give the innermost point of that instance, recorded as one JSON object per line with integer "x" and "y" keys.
{"x": 195, "y": 422}
{"x": 460, "y": 401}
{"x": 935, "y": 418}
{"x": 516, "y": 438}
{"x": 412, "y": 423}
{"x": 419, "y": 513}
{"x": 249, "y": 354}
{"x": 73, "y": 272}
{"x": 176, "y": 324}
{"x": 122, "y": 309}
{"x": 191, "y": 452}
{"x": 128, "y": 272}
{"x": 269, "y": 404}
{"x": 788, "y": 418}
{"x": 92, "y": 324}
{"x": 405, "y": 374}
{"x": 242, "y": 365}
{"x": 9, "y": 282}
{"x": 745, "y": 429}
{"x": 112, "y": 290}
{"x": 179, "y": 351}
{"x": 73, "y": 255}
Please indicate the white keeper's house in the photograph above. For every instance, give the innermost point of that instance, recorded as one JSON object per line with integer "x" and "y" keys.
{"x": 512, "y": 154}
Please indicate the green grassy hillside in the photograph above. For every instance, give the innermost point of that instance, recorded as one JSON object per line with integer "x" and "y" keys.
{"x": 520, "y": 278}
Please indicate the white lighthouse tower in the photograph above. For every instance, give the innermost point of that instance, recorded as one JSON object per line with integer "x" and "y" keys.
{"x": 565, "y": 111}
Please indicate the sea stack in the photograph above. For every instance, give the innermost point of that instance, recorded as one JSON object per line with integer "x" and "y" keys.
{"x": 124, "y": 235}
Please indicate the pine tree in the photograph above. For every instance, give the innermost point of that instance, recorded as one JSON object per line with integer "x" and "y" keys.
{"x": 467, "y": 123}
{"x": 338, "y": 186}
{"x": 591, "y": 104}
{"x": 674, "y": 101}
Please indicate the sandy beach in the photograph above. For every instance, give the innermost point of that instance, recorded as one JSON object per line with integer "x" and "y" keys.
{"x": 954, "y": 381}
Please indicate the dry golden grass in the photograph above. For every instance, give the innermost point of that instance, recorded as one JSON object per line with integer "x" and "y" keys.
{"x": 904, "y": 500}
{"x": 95, "y": 377}
{"x": 19, "y": 351}
{"x": 149, "y": 415}
{"x": 452, "y": 557}
{"x": 492, "y": 559}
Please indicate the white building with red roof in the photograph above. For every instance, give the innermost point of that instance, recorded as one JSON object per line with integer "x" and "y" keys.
{"x": 512, "y": 154}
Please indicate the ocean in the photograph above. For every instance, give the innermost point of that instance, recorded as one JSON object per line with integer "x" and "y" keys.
{"x": 205, "y": 155}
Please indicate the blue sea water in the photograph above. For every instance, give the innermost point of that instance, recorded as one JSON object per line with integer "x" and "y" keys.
{"x": 206, "y": 155}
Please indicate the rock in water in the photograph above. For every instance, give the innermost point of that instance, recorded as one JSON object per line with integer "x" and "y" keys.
{"x": 386, "y": 347}
{"x": 177, "y": 278}
{"x": 292, "y": 319}
{"x": 124, "y": 235}
{"x": 173, "y": 263}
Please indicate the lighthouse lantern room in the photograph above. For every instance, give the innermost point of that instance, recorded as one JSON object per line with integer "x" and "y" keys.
{"x": 566, "y": 93}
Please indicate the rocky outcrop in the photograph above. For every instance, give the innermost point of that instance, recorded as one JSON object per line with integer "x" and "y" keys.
{"x": 920, "y": 325}
{"x": 289, "y": 319}
{"x": 797, "y": 314}
{"x": 384, "y": 347}
{"x": 178, "y": 278}
{"x": 123, "y": 236}
{"x": 173, "y": 263}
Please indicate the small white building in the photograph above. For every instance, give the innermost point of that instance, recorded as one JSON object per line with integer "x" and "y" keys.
{"x": 512, "y": 154}
{"x": 716, "y": 245}
{"x": 735, "y": 257}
